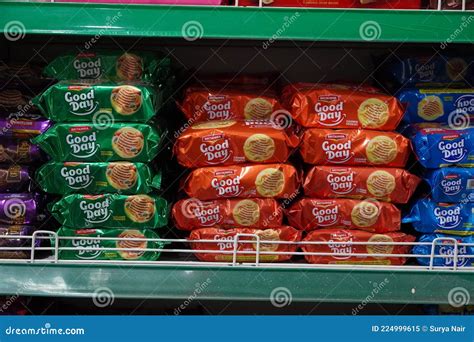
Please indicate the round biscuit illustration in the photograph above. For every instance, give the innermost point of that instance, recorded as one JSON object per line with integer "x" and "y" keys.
{"x": 128, "y": 142}
{"x": 259, "y": 147}
{"x": 456, "y": 69}
{"x": 214, "y": 124}
{"x": 246, "y": 213}
{"x": 380, "y": 183}
{"x": 140, "y": 208}
{"x": 373, "y": 113}
{"x": 126, "y": 100}
{"x": 381, "y": 150}
{"x": 365, "y": 214}
{"x": 129, "y": 67}
{"x": 131, "y": 254}
{"x": 121, "y": 175}
{"x": 430, "y": 108}
{"x": 270, "y": 182}
{"x": 258, "y": 109}
{"x": 380, "y": 249}
{"x": 267, "y": 235}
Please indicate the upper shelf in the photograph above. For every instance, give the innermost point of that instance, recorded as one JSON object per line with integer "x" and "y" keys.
{"x": 238, "y": 23}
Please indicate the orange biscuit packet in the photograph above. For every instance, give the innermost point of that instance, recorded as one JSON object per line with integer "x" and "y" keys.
{"x": 342, "y": 106}
{"x": 261, "y": 180}
{"x": 341, "y": 252}
{"x": 354, "y": 147}
{"x": 191, "y": 213}
{"x": 234, "y": 142}
{"x": 224, "y": 242}
{"x": 385, "y": 184}
{"x": 369, "y": 215}
{"x": 244, "y": 103}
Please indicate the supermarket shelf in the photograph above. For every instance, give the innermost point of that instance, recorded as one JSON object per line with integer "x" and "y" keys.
{"x": 235, "y": 283}
{"x": 238, "y": 23}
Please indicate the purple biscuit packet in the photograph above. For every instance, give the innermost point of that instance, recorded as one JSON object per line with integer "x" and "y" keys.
{"x": 23, "y": 125}
{"x": 18, "y": 151}
{"x": 5, "y": 241}
{"x": 14, "y": 178}
{"x": 18, "y": 208}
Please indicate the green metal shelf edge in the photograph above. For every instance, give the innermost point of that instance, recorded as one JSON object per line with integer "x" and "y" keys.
{"x": 234, "y": 283}
{"x": 238, "y": 22}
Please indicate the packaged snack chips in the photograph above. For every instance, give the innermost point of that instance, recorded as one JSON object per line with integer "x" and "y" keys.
{"x": 427, "y": 216}
{"x": 438, "y": 105}
{"x": 341, "y": 106}
{"x": 341, "y": 251}
{"x": 99, "y": 102}
{"x": 354, "y": 147}
{"x": 252, "y": 103}
{"x": 111, "y": 211}
{"x": 445, "y": 250}
{"x": 192, "y": 213}
{"x": 132, "y": 244}
{"x": 260, "y": 180}
{"x": 451, "y": 184}
{"x": 108, "y": 65}
{"x": 234, "y": 142}
{"x": 92, "y": 142}
{"x": 369, "y": 215}
{"x": 439, "y": 146}
{"x": 385, "y": 184}
{"x": 224, "y": 245}
{"x": 14, "y": 178}
{"x": 96, "y": 178}
{"x": 18, "y": 209}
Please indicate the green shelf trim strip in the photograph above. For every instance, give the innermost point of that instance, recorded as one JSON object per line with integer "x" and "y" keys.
{"x": 238, "y": 23}
{"x": 236, "y": 283}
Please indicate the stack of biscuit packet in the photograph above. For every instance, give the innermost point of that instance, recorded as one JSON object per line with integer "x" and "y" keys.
{"x": 100, "y": 148}
{"x": 440, "y": 106}
{"x": 355, "y": 174}
{"x": 21, "y": 211}
{"x": 237, "y": 160}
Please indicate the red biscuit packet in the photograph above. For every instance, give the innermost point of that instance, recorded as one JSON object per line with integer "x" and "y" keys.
{"x": 369, "y": 215}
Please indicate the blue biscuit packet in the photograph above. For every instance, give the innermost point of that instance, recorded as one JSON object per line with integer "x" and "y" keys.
{"x": 453, "y": 106}
{"x": 445, "y": 247}
{"x": 432, "y": 71}
{"x": 439, "y": 146}
{"x": 427, "y": 216}
{"x": 451, "y": 184}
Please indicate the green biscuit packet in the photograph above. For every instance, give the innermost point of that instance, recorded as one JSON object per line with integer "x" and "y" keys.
{"x": 86, "y": 247}
{"x": 93, "y": 142}
{"x": 96, "y": 178}
{"x": 109, "y": 65}
{"x": 111, "y": 211}
{"x": 99, "y": 102}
